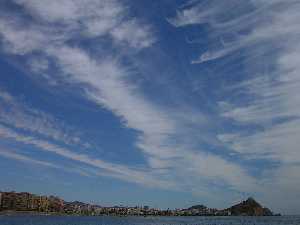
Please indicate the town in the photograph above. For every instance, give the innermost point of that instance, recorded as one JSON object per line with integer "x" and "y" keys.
{"x": 14, "y": 202}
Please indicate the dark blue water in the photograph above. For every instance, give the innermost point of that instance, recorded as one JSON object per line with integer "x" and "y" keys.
{"x": 106, "y": 220}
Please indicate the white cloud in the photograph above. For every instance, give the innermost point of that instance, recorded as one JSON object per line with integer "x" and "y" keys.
{"x": 114, "y": 170}
{"x": 55, "y": 11}
{"x": 140, "y": 39}
{"x": 25, "y": 159}
{"x": 92, "y": 18}
{"x": 286, "y": 194}
{"x": 212, "y": 55}
{"x": 39, "y": 65}
{"x": 279, "y": 143}
{"x": 275, "y": 107}
{"x": 106, "y": 81}
{"x": 248, "y": 24}
{"x": 232, "y": 15}
{"x": 275, "y": 92}
{"x": 268, "y": 32}
{"x": 18, "y": 114}
{"x": 98, "y": 17}
{"x": 18, "y": 40}
{"x": 193, "y": 15}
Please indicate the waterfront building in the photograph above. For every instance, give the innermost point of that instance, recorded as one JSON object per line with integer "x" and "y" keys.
{"x": 44, "y": 204}
{"x": 33, "y": 202}
{"x": 22, "y": 201}
{"x": 8, "y": 200}
{"x": 0, "y": 200}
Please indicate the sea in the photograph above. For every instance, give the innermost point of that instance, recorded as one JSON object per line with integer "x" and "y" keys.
{"x": 109, "y": 220}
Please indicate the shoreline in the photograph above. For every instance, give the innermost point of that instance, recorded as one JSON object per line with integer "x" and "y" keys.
{"x": 32, "y": 213}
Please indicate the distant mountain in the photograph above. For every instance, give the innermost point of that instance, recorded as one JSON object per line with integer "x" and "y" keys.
{"x": 201, "y": 207}
{"x": 249, "y": 208}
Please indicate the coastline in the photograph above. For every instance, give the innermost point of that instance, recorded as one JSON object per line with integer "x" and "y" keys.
{"x": 20, "y": 203}
{"x": 33, "y": 213}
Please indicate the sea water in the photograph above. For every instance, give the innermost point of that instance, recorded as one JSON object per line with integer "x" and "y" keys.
{"x": 108, "y": 220}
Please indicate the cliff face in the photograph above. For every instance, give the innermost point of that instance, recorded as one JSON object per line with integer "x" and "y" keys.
{"x": 249, "y": 208}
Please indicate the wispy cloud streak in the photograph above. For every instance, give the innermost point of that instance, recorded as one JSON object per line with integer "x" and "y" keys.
{"x": 29, "y": 160}
{"x": 114, "y": 170}
{"x": 18, "y": 114}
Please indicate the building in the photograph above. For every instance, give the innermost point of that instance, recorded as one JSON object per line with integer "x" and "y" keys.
{"x": 8, "y": 200}
{"x": 33, "y": 202}
{"x": 44, "y": 204}
{"x": 0, "y": 200}
{"x": 22, "y": 201}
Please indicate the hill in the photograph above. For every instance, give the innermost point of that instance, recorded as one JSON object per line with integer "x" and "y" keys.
{"x": 249, "y": 208}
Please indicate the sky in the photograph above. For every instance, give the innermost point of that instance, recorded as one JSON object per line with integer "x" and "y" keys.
{"x": 164, "y": 103}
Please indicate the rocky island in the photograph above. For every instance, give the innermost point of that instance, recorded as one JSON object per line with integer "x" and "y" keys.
{"x": 249, "y": 208}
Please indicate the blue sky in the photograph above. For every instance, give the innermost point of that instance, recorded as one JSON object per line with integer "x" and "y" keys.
{"x": 162, "y": 103}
